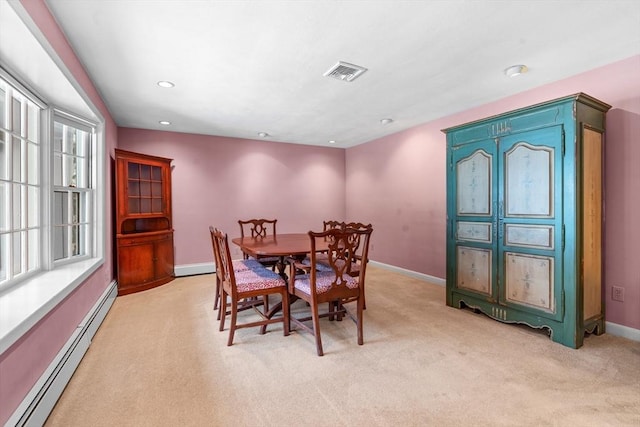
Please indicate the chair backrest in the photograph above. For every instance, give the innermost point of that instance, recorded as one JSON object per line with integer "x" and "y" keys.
{"x": 224, "y": 264}
{"x": 328, "y": 225}
{"x": 341, "y": 243}
{"x": 258, "y": 227}
{"x": 357, "y": 248}
{"x": 216, "y": 252}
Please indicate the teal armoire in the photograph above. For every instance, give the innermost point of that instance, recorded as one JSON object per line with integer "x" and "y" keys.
{"x": 525, "y": 217}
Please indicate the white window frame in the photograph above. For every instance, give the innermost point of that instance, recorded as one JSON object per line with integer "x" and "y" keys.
{"x": 24, "y": 302}
{"x": 88, "y": 191}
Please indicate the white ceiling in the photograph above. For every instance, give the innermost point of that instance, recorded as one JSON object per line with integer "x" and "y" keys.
{"x": 24, "y": 55}
{"x": 244, "y": 67}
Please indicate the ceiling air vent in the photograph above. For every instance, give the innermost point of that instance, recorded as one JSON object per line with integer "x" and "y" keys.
{"x": 345, "y": 71}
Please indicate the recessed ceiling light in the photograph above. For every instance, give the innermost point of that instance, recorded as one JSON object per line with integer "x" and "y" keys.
{"x": 386, "y": 121}
{"x": 165, "y": 83}
{"x": 516, "y": 70}
{"x": 164, "y": 122}
{"x": 263, "y": 134}
{"x": 332, "y": 142}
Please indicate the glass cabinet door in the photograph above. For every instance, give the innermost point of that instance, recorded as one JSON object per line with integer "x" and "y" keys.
{"x": 144, "y": 188}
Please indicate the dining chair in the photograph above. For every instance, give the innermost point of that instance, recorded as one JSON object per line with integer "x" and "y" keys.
{"x": 335, "y": 286}
{"x": 238, "y": 266}
{"x": 245, "y": 284}
{"x": 260, "y": 228}
{"x": 357, "y": 249}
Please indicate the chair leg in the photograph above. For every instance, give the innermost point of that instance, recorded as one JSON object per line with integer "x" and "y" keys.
{"x": 364, "y": 300}
{"x": 316, "y": 329}
{"x": 265, "y": 306}
{"x": 360, "y": 307}
{"x": 222, "y": 312}
{"x": 285, "y": 313}
{"x": 216, "y": 300}
{"x": 234, "y": 318}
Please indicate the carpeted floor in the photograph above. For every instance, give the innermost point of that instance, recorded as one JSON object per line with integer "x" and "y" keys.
{"x": 159, "y": 360}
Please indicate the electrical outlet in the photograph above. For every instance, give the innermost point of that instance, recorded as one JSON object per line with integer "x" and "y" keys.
{"x": 617, "y": 293}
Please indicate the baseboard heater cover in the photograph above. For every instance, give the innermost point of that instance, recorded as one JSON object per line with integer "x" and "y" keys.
{"x": 39, "y": 402}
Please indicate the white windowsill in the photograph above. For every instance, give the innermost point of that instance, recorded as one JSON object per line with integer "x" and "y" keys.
{"x": 26, "y": 304}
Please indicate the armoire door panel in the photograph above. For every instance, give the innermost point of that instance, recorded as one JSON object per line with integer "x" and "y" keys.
{"x": 529, "y": 281}
{"x": 529, "y": 178}
{"x": 474, "y": 178}
{"x": 474, "y": 231}
{"x": 475, "y": 269}
{"x": 529, "y": 236}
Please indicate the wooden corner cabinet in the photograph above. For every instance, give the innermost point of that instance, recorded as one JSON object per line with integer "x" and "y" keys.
{"x": 525, "y": 217}
{"x": 144, "y": 229}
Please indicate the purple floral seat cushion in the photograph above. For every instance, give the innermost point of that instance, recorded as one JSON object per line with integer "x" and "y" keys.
{"x": 323, "y": 282}
{"x": 251, "y": 280}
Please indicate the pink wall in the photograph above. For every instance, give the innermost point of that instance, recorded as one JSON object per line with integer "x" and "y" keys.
{"x": 25, "y": 361}
{"x": 217, "y": 181}
{"x": 398, "y": 183}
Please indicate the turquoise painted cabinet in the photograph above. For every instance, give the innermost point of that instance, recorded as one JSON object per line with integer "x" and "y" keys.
{"x": 525, "y": 217}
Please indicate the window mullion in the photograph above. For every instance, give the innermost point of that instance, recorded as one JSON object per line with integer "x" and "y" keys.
{"x": 46, "y": 189}
{"x": 69, "y": 227}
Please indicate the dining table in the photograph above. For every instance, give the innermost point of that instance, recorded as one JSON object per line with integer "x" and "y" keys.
{"x": 295, "y": 245}
{"x": 279, "y": 245}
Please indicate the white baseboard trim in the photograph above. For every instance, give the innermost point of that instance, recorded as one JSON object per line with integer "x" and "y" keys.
{"x": 622, "y": 331}
{"x": 39, "y": 402}
{"x": 193, "y": 269}
{"x": 411, "y": 273}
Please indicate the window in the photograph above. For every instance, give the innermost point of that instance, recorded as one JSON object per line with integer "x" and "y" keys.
{"x": 20, "y": 184}
{"x": 72, "y": 193}
{"x": 47, "y": 186}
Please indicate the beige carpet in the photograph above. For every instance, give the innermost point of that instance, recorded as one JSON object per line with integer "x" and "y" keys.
{"x": 159, "y": 360}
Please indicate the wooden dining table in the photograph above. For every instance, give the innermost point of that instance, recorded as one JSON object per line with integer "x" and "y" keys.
{"x": 295, "y": 245}
{"x": 279, "y": 245}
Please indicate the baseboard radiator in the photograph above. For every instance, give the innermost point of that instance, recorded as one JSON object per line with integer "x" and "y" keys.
{"x": 39, "y": 402}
